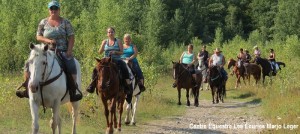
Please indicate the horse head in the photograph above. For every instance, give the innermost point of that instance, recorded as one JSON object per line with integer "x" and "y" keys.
{"x": 176, "y": 68}
{"x": 106, "y": 75}
{"x": 38, "y": 63}
{"x": 214, "y": 72}
{"x": 231, "y": 63}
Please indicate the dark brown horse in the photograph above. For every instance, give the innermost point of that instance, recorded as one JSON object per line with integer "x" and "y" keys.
{"x": 267, "y": 67}
{"x": 183, "y": 79}
{"x": 217, "y": 84}
{"x": 109, "y": 89}
{"x": 252, "y": 69}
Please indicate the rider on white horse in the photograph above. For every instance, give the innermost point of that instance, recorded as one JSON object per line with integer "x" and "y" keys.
{"x": 58, "y": 33}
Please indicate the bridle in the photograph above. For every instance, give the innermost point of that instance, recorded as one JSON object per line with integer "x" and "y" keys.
{"x": 216, "y": 77}
{"x": 47, "y": 81}
{"x": 182, "y": 71}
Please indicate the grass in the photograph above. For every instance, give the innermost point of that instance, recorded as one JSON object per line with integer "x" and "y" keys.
{"x": 280, "y": 105}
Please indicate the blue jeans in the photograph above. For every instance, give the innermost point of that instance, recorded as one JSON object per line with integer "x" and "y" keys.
{"x": 136, "y": 67}
{"x": 223, "y": 73}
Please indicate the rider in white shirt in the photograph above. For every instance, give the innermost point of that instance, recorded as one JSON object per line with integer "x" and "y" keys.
{"x": 218, "y": 59}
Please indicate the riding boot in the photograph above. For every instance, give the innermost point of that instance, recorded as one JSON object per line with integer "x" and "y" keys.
{"x": 128, "y": 89}
{"x": 22, "y": 94}
{"x": 92, "y": 86}
{"x": 141, "y": 85}
{"x": 73, "y": 87}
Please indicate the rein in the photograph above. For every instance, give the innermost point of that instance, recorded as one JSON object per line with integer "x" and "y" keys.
{"x": 48, "y": 81}
{"x": 180, "y": 74}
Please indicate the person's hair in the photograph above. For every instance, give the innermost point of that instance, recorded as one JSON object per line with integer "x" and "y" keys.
{"x": 111, "y": 29}
{"x": 241, "y": 49}
{"x": 204, "y": 46}
{"x": 191, "y": 46}
{"x": 272, "y": 50}
{"x": 127, "y": 36}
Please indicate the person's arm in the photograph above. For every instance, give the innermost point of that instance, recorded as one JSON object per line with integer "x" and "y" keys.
{"x": 223, "y": 62}
{"x": 71, "y": 41}
{"x": 120, "y": 52}
{"x": 210, "y": 61}
{"x": 135, "y": 52}
{"x": 101, "y": 49}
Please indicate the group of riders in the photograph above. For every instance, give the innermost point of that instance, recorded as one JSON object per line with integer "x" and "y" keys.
{"x": 188, "y": 59}
{"x": 57, "y": 32}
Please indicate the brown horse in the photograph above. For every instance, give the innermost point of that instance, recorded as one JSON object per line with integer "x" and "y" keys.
{"x": 109, "y": 89}
{"x": 252, "y": 69}
{"x": 238, "y": 71}
{"x": 183, "y": 79}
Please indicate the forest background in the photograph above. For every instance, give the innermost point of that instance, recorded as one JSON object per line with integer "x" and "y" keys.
{"x": 161, "y": 29}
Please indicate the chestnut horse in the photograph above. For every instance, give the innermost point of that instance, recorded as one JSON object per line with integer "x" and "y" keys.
{"x": 238, "y": 71}
{"x": 252, "y": 69}
{"x": 183, "y": 79}
{"x": 109, "y": 89}
{"x": 217, "y": 84}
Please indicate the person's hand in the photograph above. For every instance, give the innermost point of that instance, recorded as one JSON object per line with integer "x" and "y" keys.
{"x": 221, "y": 66}
{"x": 69, "y": 54}
{"x": 52, "y": 41}
{"x": 190, "y": 65}
{"x": 112, "y": 52}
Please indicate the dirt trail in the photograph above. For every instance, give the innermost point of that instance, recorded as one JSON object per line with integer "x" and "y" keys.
{"x": 229, "y": 117}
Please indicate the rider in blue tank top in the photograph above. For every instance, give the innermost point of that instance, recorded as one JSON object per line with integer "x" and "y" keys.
{"x": 130, "y": 52}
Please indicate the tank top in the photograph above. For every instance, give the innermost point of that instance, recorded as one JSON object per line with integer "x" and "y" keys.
{"x": 127, "y": 52}
{"x": 114, "y": 47}
{"x": 187, "y": 58}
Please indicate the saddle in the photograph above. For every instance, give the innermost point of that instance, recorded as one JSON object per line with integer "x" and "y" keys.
{"x": 72, "y": 86}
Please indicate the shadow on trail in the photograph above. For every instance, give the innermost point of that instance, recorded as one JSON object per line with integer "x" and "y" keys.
{"x": 244, "y": 96}
{"x": 253, "y": 103}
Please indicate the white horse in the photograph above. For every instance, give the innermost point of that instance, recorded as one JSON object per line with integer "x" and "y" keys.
{"x": 136, "y": 94}
{"x": 47, "y": 87}
{"x": 203, "y": 70}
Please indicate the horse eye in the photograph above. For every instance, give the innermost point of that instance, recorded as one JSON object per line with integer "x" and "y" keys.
{"x": 44, "y": 63}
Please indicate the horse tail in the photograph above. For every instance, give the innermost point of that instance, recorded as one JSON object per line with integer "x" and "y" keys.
{"x": 281, "y": 63}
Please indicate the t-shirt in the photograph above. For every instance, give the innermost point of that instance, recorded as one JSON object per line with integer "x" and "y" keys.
{"x": 60, "y": 33}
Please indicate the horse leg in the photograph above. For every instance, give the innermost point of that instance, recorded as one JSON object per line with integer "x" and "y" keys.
{"x": 187, "y": 97}
{"x": 179, "y": 95}
{"x": 113, "y": 118}
{"x": 75, "y": 106}
{"x": 120, "y": 111}
{"x": 106, "y": 112}
{"x": 134, "y": 109}
{"x": 196, "y": 95}
{"x": 34, "y": 108}
{"x": 213, "y": 94}
{"x": 55, "y": 118}
{"x": 128, "y": 109}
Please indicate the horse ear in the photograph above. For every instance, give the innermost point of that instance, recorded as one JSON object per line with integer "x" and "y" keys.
{"x": 97, "y": 59}
{"x": 31, "y": 45}
{"x": 46, "y": 48}
{"x": 173, "y": 62}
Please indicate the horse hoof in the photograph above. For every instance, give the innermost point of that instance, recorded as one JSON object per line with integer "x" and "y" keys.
{"x": 179, "y": 103}
{"x": 133, "y": 123}
{"x": 119, "y": 129}
{"x": 188, "y": 104}
{"x": 127, "y": 122}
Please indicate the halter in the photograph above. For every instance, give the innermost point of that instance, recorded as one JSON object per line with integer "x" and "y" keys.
{"x": 214, "y": 78}
{"x": 180, "y": 74}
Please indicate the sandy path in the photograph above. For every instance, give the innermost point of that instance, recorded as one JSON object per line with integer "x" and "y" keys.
{"x": 228, "y": 117}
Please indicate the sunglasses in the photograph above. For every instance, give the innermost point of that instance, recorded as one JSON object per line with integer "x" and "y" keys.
{"x": 54, "y": 8}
